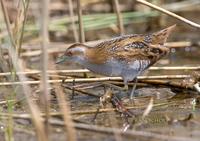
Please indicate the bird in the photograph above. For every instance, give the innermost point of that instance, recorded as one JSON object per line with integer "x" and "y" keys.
{"x": 127, "y": 56}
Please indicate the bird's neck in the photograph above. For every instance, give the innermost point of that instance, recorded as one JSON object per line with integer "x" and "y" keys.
{"x": 91, "y": 56}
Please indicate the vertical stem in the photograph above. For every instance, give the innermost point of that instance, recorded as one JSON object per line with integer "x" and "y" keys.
{"x": 23, "y": 26}
{"x": 71, "y": 12}
{"x": 35, "y": 112}
{"x": 119, "y": 17}
{"x": 44, "y": 41}
{"x": 6, "y": 18}
{"x": 66, "y": 111}
{"x": 81, "y": 30}
{"x": 3, "y": 63}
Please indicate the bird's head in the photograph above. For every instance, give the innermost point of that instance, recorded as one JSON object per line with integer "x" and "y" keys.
{"x": 75, "y": 52}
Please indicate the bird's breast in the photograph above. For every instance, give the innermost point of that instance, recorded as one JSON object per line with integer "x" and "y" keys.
{"x": 108, "y": 68}
{"x": 112, "y": 67}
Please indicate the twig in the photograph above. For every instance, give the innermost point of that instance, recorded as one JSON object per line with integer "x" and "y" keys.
{"x": 184, "y": 5}
{"x": 119, "y": 17}
{"x": 180, "y": 44}
{"x": 176, "y": 68}
{"x": 96, "y": 79}
{"x": 167, "y": 83}
{"x": 81, "y": 91}
{"x": 81, "y": 30}
{"x": 169, "y": 13}
{"x": 85, "y": 112}
{"x": 193, "y": 68}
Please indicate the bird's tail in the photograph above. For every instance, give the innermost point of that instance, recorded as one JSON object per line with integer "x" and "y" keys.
{"x": 161, "y": 36}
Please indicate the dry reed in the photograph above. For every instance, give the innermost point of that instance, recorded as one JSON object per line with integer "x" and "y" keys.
{"x": 34, "y": 110}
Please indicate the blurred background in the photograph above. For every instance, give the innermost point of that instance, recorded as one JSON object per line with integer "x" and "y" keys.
{"x": 33, "y": 33}
{"x": 100, "y": 19}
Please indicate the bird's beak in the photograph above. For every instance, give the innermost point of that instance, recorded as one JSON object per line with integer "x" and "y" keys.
{"x": 61, "y": 59}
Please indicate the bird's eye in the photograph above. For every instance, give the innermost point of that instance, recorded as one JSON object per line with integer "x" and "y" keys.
{"x": 69, "y": 53}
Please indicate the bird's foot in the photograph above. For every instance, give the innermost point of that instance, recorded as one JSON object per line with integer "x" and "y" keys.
{"x": 106, "y": 98}
{"x": 110, "y": 98}
{"x": 116, "y": 102}
{"x": 125, "y": 88}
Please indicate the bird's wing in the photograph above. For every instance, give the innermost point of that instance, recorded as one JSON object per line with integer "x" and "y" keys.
{"x": 119, "y": 42}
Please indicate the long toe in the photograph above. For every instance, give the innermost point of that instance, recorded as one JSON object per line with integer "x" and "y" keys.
{"x": 133, "y": 91}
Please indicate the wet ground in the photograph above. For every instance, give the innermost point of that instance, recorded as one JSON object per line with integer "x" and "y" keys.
{"x": 171, "y": 113}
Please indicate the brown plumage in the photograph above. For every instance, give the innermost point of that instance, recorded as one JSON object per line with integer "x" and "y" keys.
{"x": 126, "y": 56}
{"x": 148, "y": 46}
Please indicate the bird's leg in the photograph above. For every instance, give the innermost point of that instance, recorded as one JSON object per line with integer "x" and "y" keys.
{"x": 104, "y": 100}
{"x": 133, "y": 89}
{"x": 125, "y": 88}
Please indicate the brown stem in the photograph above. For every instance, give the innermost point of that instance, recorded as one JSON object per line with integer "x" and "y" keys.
{"x": 119, "y": 17}
{"x": 72, "y": 19}
{"x": 169, "y": 13}
{"x": 81, "y": 30}
{"x": 100, "y": 79}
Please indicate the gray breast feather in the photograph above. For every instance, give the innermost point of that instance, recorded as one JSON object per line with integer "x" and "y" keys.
{"x": 116, "y": 68}
{"x": 139, "y": 65}
{"x": 133, "y": 69}
{"x": 110, "y": 68}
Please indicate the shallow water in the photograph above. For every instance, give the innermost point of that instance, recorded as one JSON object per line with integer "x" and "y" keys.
{"x": 175, "y": 113}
